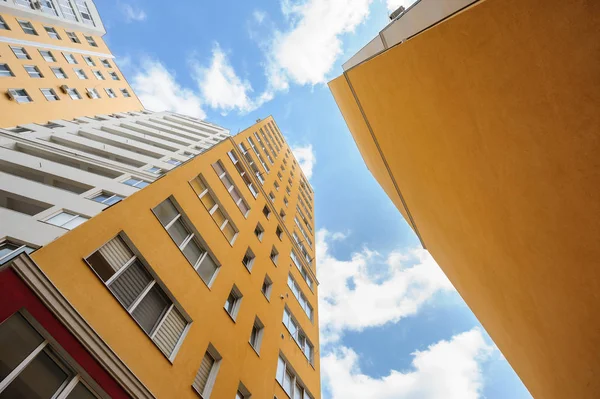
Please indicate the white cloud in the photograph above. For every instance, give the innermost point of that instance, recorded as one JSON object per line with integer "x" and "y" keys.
{"x": 158, "y": 90}
{"x": 259, "y": 16}
{"x": 393, "y": 5}
{"x": 132, "y": 13}
{"x": 353, "y": 297}
{"x": 306, "y": 52}
{"x": 221, "y": 87}
{"x": 447, "y": 369}
{"x": 306, "y": 158}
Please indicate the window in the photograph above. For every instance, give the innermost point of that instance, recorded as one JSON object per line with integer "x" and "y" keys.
{"x": 86, "y": 16}
{"x": 80, "y": 73}
{"x": 302, "y": 269}
{"x": 70, "y": 58}
{"x": 174, "y": 161}
{"x": 286, "y": 377}
{"x": 276, "y": 186}
{"x": 272, "y": 196}
{"x": 90, "y": 41}
{"x": 231, "y": 188}
{"x": 114, "y": 76}
{"x": 259, "y": 232}
{"x": 266, "y": 287}
{"x": 47, "y": 56}
{"x": 256, "y": 334}
{"x": 207, "y": 373}
{"x": 59, "y": 73}
{"x": 137, "y": 183}
{"x": 274, "y": 255}
{"x": 240, "y": 168}
{"x": 186, "y": 240}
{"x": 52, "y": 32}
{"x": 282, "y": 214}
{"x": 73, "y": 37}
{"x": 93, "y": 93}
{"x": 155, "y": 170}
{"x": 248, "y": 259}
{"x": 266, "y": 211}
{"x": 98, "y": 75}
{"x": 20, "y": 53}
{"x": 67, "y": 220}
{"x": 106, "y": 198}
{"x": 214, "y": 208}
{"x": 19, "y": 95}
{"x": 105, "y": 63}
{"x": 3, "y": 24}
{"x": 129, "y": 279}
{"x": 27, "y": 27}
{"x": 110, "y": 93}
{"x": 88, "y": 60}
{"x": 30, "y": 359}
{"x": 67, "y": 10}
{"x": 280, "y": 176}
{"x": 50, "y": 94}
{"x": 73, "y": 93}
{"x": 5, "y": 71}
{"x": 233, "y": 302}
{"x": 242, "y": 392}
{"x": 188, "y": 155}
{"x": 295, "y": 288}
{"x": 298, "y": 334}
{"x": 279, "y": 232}
{"x": 288, "y": 191}
{"x": 285, "y": 201}
{"x": 125, "y": 93}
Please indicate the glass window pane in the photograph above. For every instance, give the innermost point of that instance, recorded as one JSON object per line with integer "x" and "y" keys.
{"x": 130, "y": 284}
{"x": 7, "y": 248}
{"x": 207, "y": 269}
{"x": 235, "y": 195}
{"x": 74, "y": 223}
{"x": 142, "y": 184}
{"x": 225, "y": 179}
{"x": 40, "y": 379}
{"x": 192, "y": 252}
{"x": 244, "y": 207}
{"x": 198, "y": 185}
{"x": 208, "y": 201}
{"x": 178, "y": 232}
{"x": 60, "y": 219}
{"x": 81, "y": 392}
{"x": 218, "y": 217}
{"x": 218, "y": 168}
{"x": 101, "y": 197}
{"x": 165, "y": 212}
{"x": 114, "y": 199}
{"x": 151, "y": 308}
{"x": 229, "y": 232}
{"x": 280, "y": 370}
{"x": 17, "y": 340}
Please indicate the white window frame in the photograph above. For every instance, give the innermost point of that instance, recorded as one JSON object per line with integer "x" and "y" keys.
{"x": 70, "y": 58}
{"x": 224, "y": 175}
{"x": 298, "y": 334}
{"x": 47, "y": 56}
{"x": 20, "y": 52}
{"x": 59, "y": 73}
{"x": 237, "y": 294}
{"x": 28, "y": 26}
{"x": 73, "y": 214}
{"x": 259, "y": 334}
{"x": 51, "y": 96}
{"x": 109, "y": 195}
{"x": 20, "y": 95}
{"x": 6, "y": 72}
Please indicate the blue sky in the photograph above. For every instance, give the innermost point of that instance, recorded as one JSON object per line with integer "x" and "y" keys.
{"x": 392, "y": 326}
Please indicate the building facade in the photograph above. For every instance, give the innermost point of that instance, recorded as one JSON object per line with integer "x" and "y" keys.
{"x": 142, "y": 254}
{"x": 480, "y": 121}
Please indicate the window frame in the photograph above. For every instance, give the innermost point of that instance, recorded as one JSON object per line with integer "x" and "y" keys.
{"x": 52, "y": 33}
{"x": 20, "y": 50}
{"x": 10, "y": 72}
{"x": 235, "y": 307}
{"x": 22, "y": 22}
{"x": 17, "y": 97}
{"x": 74, "y": 217}
{"x": 260, "y": 327}
{"x": 225, "y": 175}
{"x": 52, "y": 92}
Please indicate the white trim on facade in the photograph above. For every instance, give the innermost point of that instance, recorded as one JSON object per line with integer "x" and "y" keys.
{"x": 46, "y": 46}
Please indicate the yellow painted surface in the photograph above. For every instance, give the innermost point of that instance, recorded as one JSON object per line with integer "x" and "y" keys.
{"x": 42, "y": 110}
{"x": 490, "y": 124}
{"x": 62, "y": 261}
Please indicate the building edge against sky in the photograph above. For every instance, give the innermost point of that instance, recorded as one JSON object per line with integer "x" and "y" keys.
{"x": 480, "y": 121}
{"x": 147, "y": 254}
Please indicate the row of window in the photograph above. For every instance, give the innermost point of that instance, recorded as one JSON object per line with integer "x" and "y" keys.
{"x": 289, "y": 381}
{"x": 34, "y": 72}
{"x": 22, "y": 54}
{"x": 22, "y": 96}
{"x": 29, "y": 29}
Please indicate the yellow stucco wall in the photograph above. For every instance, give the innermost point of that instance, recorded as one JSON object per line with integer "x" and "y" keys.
{"x": 62, "y": 261}
{"x": 490, "y": 124}
{"x": 41, "y": 110}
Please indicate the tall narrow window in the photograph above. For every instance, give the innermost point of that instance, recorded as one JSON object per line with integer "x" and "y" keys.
{"x": 274, "y": 255}
{"x": 186, "y": 240}
{"x": 266, "y": 287}
{"x": 3, "y": 24}
{"x": 214, "y": 208}
{"x": 233, "y": 302}
{"x": 231, "y": 188}
{"x": 144, "y": 297}
{"x": 256, "y": 334}
{"x": 286, "y": 377}
{"x": 248, "y": 259}
{"x": 207, "y": 373}
{"x": 84, "y": 11}
{"x": 67, "y": 9}
{"x": 266, "y": 211}
{"x": 259, "y": 232}
{"x": 298, "y": 334}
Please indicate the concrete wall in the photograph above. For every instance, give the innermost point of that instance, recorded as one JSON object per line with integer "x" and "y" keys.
{"x": 489, "y": 122}
{"x": 62, "y": 261}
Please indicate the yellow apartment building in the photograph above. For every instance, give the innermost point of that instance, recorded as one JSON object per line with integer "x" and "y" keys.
{"x": 54, "y": 63}
{"x": 480, "y": 121}
{"x": 202, "y": 284}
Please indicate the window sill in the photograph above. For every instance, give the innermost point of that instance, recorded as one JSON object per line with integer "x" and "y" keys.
{"x": 229, "y": 314}
{"x": 254, "y": 350}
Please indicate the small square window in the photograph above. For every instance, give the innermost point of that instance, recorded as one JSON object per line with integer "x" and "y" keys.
{"x": 279, "y": 232}
{"x": 110, "y": 93}
{"x": 3, "y": 24}
{"x": 19, "y": 95}
{"x": 114, "y": 76}
{"x": 47, "y": 56}
{"x": 93, "y": 93}
{"x": 20, "y": 53}
{"x": 50, "y": 94}
{"x": 52, "y": 32}
{"x": 70, "y": 58}
{"x": 5, "y": 71}
{"x": 73, "y": 37}
{"x": 73, "y": 93}
{"x": 259, "y": 232}
{"x": 59, "y": 73}
{"x": 91, "y": 41}
{"x": 33, "y": 71}
{"x": 285, "y": 201}
{"x": 274, "y": 255}
{"x": 80, "y": 73}
{"x": 89, "y": 61}
{"x": 233, "y": 302}
{"x": 105, "y": 63}
{"x": 266, "y": 211}
{"x": 282, "y": 214}
{"x": 155, "y": 170}
{"x": 267, "y": 287}
{"x": 125, "y": 93}
{"x": 248, "y": 259}
{"x": 98, "y": 75}
{"x": 256, "y": 334}
{"x": 27, "y": 27}
{"x": 272, "y": 196}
